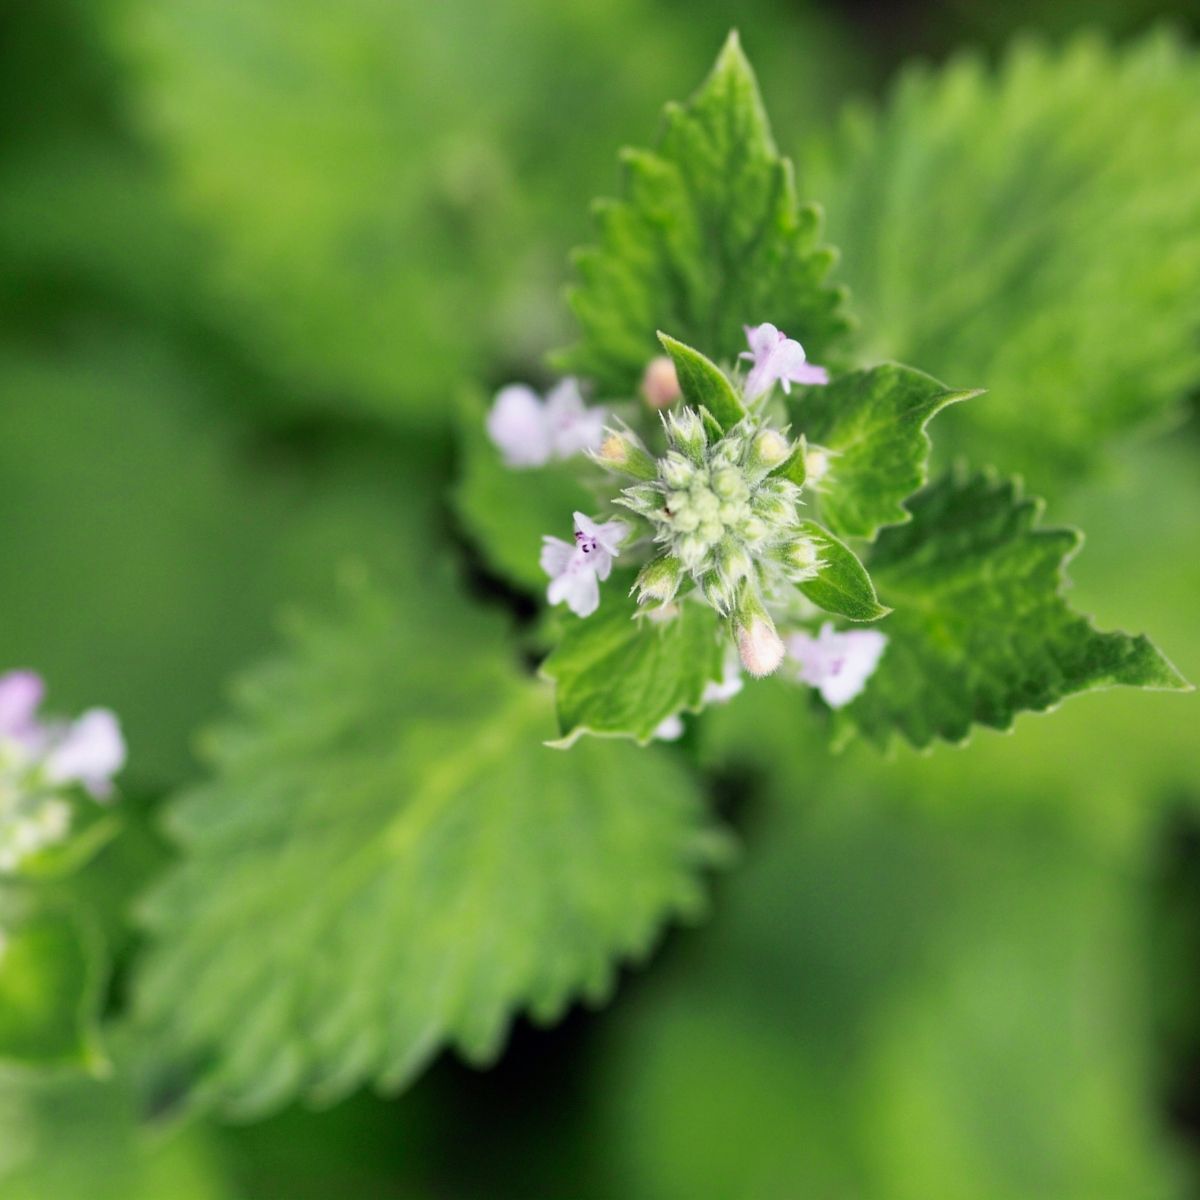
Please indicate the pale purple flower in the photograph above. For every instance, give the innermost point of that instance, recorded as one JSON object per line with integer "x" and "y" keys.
{"x": 89, "y": 751}
{"x": 837, "y": 664}
{"x": 777, "y": 358}
{"x": 530, "y": 432}
{"x": 576, "y": 569}
{"x": 21, "y": 695}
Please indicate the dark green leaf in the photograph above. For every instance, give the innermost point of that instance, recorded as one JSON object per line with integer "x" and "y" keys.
{"x": 843, "y": 585}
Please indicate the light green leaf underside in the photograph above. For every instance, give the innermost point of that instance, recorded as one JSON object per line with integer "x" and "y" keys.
{"x": 507, "y": 512}
{"x": 708, "y": 238}
{"x": 704, "y": 384}
{"x": 388, "y": 860}
{"x": 50, "y": 977}
{"x": 842, "y": 586}
{"x": 1035, "y": 230}
{"x": 873, "y": 423}
{"x": 980, "y": 629}
{"x": 622, "y": 672}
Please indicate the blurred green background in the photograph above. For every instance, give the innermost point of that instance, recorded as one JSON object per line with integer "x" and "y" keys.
{"x": 251, "y": 249}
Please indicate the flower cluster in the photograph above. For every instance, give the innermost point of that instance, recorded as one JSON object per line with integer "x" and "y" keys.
{"x": 41, "y": 760}
{"x": 720, "y": 505}
{"x": 721, "y": 518}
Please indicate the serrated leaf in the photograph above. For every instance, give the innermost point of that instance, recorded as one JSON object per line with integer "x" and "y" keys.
{"x": 981, "y": 630}
{"x": 1032, "y": 229}
{"x": 842, "y": 585}
{"x": 710, "y": 237}
{"x": 873, "y": 424}
{"x": 703, "y": 383}
{"x": 50, "y": 977}
{"x": 506, "y": 512}
{"x": 622, "y": 671}
{"x": 387, "y": 860}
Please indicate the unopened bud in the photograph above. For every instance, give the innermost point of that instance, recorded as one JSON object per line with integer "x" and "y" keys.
{"x": 799, "y": 558}
{"x": 693, "y": 550}
{"x": 677, "y": 472}
{"x": 729, "y": 484}
{"x": 659, "y": 579}
{"x": 719, "y": 591}
{"x": 660, "y": 384}
{"x": 767, "y": 451}
{"x": 816, "y": 464}
{"x": 760, "y": 648}
{"x": 621, "y": 451}
{"x": 686, "y": 431}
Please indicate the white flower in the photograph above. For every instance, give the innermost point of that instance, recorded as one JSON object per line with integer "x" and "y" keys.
{"x": 669, "y": 729}
{"x": 777, "y": 358}
{"x": 38, "y": 758}
{"x": 576, "y": 570}
{"x": 837, "y": 664}
{"x": 90, "y": 751}
{"x": 529, "y": 432}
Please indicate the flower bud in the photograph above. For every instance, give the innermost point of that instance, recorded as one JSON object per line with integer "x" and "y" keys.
{"x": 767, "y": 451}
{"x": 693, "y": 550}
{"x": 760, "y": 648}
{"x": 660, "y": 384}
{"x": 686, "y": 431}
{"x": 729, "y": 484}
{"x": 799, "y": 558}
{"x": 659, "y": 579}
{"x": 719, "y": 591}
{"x": 621, "y": 451}
{"x": 816, "y": 464}
{"x": 677, "y": 472}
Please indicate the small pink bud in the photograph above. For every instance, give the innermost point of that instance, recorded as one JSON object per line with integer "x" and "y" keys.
{"x": 660, "y": 384}
{"x": 760, "y": 648}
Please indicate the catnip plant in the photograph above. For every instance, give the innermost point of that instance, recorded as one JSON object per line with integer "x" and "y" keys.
{"x": 720, "y": 491}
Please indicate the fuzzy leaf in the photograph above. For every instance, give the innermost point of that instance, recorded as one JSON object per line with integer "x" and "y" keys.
{"x": 843, "y": 585}
{"x": 1059, "y": 265}
{"x": 621, "y": 672}
{"x": 704, "y": 384}
{"x": 980, "y": 630}
{"x": 873, "y": 424}
{"x": 506, "y": 512}
{"x": 50, "y": 978}
{"x": 387, "y": 860}
{"x": 709, "y": 237}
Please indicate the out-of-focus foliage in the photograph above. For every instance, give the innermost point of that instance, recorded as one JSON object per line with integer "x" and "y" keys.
{"x": 68, "y": 1138}
{"x": 388, "y": 859}
{"x": 953, "y": 1010}
{"x": 391, "y": 187}
{"x": 1035, "y": 231}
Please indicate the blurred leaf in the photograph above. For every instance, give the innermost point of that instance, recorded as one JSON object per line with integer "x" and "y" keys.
{"x": 158, "y": 537}
{"x": 67, "y": 1138}
{"x": 956, "y": 1009}
{"x": 388, "y": 861}
{"x": 623, "y": 672}
{"x": 1035, "y": 231}
{"x": 871, "y": 427}
{"x": 709, "y": 238}
{"x": 389, "y": 192}
{"x": 51, "y": 974}
{"x": 507, "y": 512}
{"x": 981, "y": 630}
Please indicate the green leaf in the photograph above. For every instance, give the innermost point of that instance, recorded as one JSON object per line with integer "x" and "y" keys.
{"x": 843, "y": 585}
{"x": 506, "y": 512}
{"x": 50, "y": 978}
{"x": 387, "y": 860}
{"x": 710, "y": 237}
{"x": 704, "y": 384}
{"x": 980, "y": 630}
{"x": 1032, "y": 229}
{"x": 873, "y": 424}
{"x": 623, "y": 672}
